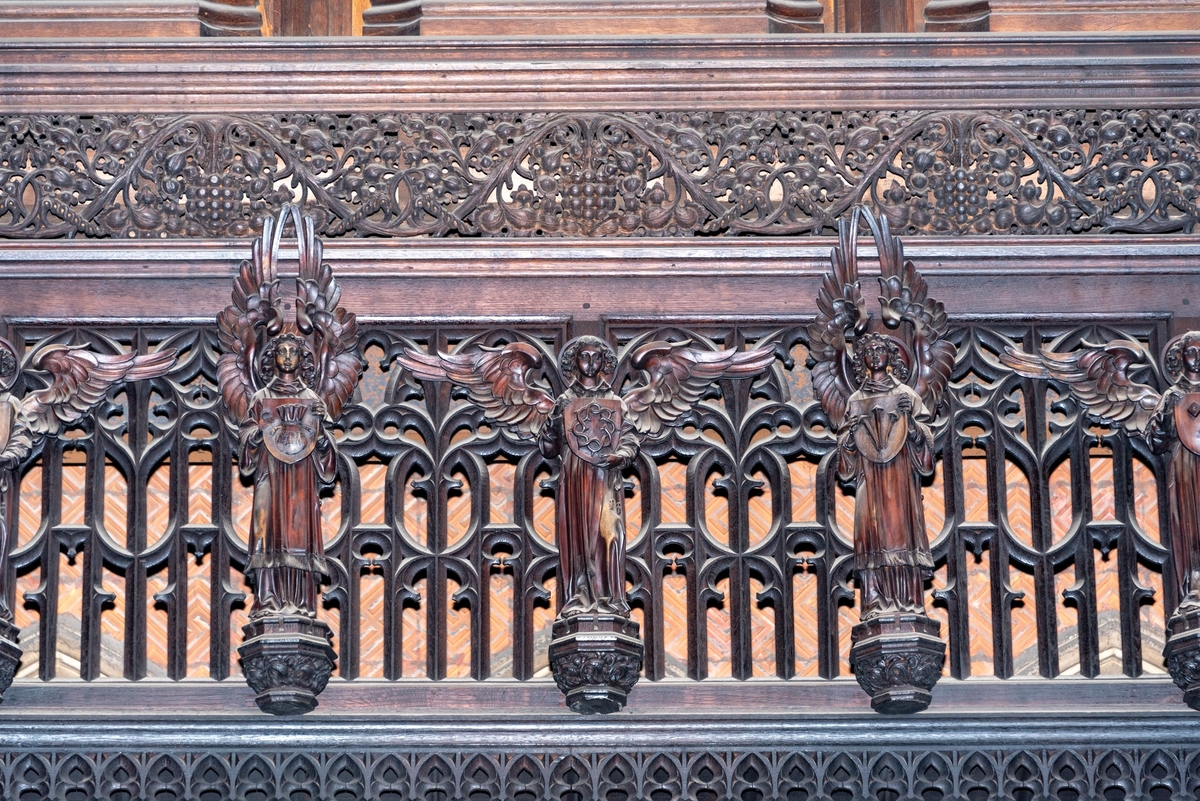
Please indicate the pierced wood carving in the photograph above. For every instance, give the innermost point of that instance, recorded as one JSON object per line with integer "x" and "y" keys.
{"x": 881, "y": 392}
{"x": 600, "y": 175}
{"x": 1102, "y": 378}
{"x": 386, "y": 18}
{"x": 285, "y": 378}
{"x": 78, "y": 380}
{"x": 594, "y": 433}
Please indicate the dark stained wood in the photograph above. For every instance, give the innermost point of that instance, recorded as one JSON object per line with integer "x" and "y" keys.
{"x": 605, "y": 18}
{"x": 840, "y": 72}
{"x": 392, "y": 19}
{"x": 1040, "y": 16}
{"x": 957, "y": 15}
{"x": 796, "y": 16}
{"x": 230, "y": 18}
{"x": 98, "y": 19}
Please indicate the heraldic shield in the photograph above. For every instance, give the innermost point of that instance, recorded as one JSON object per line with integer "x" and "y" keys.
{"x": 593, "y": 427}
{"x": 289, "y": 428}
{"x": 1187, "y": 421}
{"x": 882, "y": 428}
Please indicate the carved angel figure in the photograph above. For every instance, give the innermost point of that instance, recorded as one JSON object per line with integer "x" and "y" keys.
{"x": 881, "y": 392}
{"x": 78, "y": 380}
{"x": 1099, "y": 378}
{"x": 594, "y": 432}
{"x": 284, "y": 381}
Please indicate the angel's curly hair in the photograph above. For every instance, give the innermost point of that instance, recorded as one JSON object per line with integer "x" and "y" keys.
{"x": 896, "y": 360}
{"x": 570, "y": 370}
{"x": 1173, "y": 357}
{"x": 308, "y": 365}
{"x": 8, "y": 365}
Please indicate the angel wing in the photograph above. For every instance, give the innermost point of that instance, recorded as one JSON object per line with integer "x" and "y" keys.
{"x": 496, "y": 379}
{"x": 678, "y": 375}
{"x": 254, "y": 305}
{"x": 79, "y": 380}
{"x": 335, "y": 329}
{"x": 904, "y": 297}
{"x": 1098, "y": 376}
{"x": 840, "y": 312}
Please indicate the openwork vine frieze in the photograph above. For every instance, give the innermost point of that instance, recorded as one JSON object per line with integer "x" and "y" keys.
{"x": 734, "y": 513}
{"x": 813, "y": 775}
{"x": 601, "y": 174}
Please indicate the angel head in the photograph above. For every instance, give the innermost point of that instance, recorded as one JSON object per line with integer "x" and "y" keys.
{"x": 288, "y": 355}
{"x": 8, "y": 366}
{"x": 1182, "y": 358}
{"x": 588, "y": 361}
{"x": 877, "y": 354}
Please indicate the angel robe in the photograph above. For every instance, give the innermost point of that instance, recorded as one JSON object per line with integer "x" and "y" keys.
{"x": 1183, "y": 489}
{"x": 287, "y": 555}
{"x": 889, "y": 518}
{"x": 590, "y": 516}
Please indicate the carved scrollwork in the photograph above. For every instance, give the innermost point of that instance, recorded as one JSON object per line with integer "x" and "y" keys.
{"x": 577, "y": 669}
{"x": 601, "y": 174}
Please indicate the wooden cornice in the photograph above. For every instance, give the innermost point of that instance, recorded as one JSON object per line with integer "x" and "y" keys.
{"x": 834, "y": 72}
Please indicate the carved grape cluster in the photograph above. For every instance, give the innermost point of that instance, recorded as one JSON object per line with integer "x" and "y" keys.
{"x": 601, "y": 174}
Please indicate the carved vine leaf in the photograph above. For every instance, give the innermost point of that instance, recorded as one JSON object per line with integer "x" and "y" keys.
{"x": 632, "y": 174}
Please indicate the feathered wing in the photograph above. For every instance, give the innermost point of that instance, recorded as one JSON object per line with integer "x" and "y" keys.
{"x": 678, "y": 375}
{"x": 79, "y": 379}
{"x": 1098, "y": 376}
{"x": 253, "y": 306}
{"x": 904, "y": 298}
{"x": 335, "y": 329}
{"x": 841, "y": 312}
{"x": 496, "y": 379}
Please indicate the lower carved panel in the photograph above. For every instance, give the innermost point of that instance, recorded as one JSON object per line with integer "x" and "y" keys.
{"x": 1016, "y": 773}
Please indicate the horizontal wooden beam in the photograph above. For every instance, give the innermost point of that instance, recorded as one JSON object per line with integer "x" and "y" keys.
{"x": 835, "y": 72}
{"x": 584, "y": 280}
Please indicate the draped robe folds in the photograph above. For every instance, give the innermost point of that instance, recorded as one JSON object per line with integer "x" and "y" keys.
{"x": 590, "y": 516}
{"x": 889, "y": 518}
{"x": 287, "y": 555}
{"x": 1183, "y": 487}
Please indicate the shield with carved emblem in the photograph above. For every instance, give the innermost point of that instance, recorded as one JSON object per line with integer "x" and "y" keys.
{"x": 290, "y": 428}
{"x": 1187, "y": 421}
{"x": 593, "y": 427}
{"x": 883, "y": 427}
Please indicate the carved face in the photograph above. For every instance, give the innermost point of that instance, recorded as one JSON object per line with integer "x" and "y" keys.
{"x": 590, "y": 361}
{"x": 287, "y": 357}
{"x": 875, "y": 355}
{"x": 1191, "y": 358}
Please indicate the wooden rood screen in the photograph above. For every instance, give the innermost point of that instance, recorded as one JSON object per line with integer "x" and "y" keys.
{"x": 1047, "y": 529}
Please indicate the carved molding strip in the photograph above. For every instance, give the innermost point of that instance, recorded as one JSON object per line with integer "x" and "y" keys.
{"x": 618, "y": 773}
{"x": 601, "y": 174}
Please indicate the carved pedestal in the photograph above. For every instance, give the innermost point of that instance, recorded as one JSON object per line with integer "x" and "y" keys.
{"x": 287, "y": 660}
{"x": 1182, "y": 652}
{"x": 596, "y": 659}
{"x": 897, "y": 659}
{"x": 10, "y": 655}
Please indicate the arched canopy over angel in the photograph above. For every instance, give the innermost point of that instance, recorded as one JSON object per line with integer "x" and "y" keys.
{"x": 1099, "y": 377}
{"x": 593, "y": 431}
{"x": 77, "y": 381}
{"x": 880, "y": 382}
{"x": 284, "y": 380}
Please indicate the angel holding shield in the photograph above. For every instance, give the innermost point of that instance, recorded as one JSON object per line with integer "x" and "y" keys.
{"x": 284, "y": 382}
{"x": 885, "y": 447}
{"x": 595, "y": 433}
{"x": 880, "y": 392}
{"x": 285, "y": 447}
